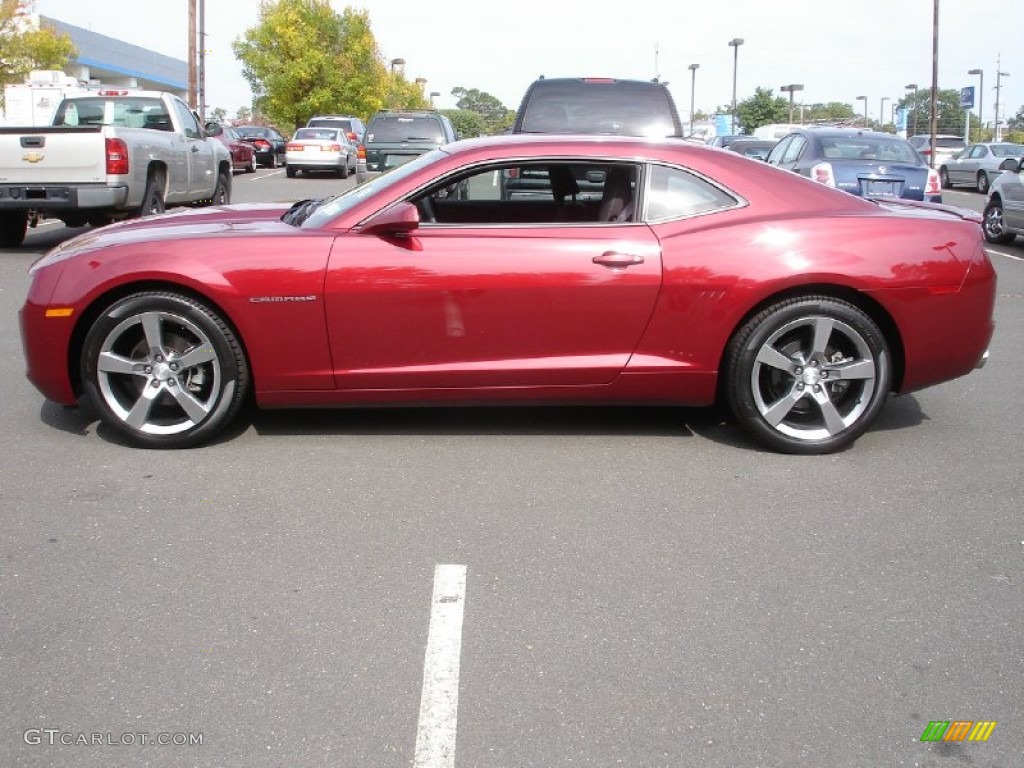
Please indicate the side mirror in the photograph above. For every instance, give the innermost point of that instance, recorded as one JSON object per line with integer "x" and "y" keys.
{"x": 214, "y": 129}
{"x": 398, "y": 220}
{"x": 1010, "y": 164}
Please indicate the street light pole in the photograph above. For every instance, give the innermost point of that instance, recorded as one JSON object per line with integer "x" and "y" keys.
{"x": 865, "y": 100}
{"x": 735, "y": 44}
{"x": 791, "y": 89}
{"x": 693, "y": 92}
{"x": 933, "y": 120}
{"x": 981, "y": 100}
{"x": 998, "y": 132}
{"x": 881, "y": 110}
{"x": 913, "y": 106}
{"x": 396, "y": 63}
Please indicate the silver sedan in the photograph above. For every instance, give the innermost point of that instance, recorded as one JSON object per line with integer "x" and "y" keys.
{"x": 977, "y": 165}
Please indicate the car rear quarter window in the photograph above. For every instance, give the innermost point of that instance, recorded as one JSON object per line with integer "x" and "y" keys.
{"x": 617, "y": 107}
{"x": 673, "y": 193}
{"x": 404, "y": 129}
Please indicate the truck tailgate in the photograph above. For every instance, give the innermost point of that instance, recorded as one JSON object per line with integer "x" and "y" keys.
{"x": 52, "y": 155}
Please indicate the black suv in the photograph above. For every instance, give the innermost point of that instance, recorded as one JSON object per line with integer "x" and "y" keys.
{"x": 591, "y": 105}
{"x": 601, "y": 105}
{"x": 394, "y": 137}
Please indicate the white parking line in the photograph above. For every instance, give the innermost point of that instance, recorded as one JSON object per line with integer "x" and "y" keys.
{"x": 439, "y": 702}
{"x": 1013, "y": 256}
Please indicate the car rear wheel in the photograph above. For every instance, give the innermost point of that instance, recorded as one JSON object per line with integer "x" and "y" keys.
{"x": 808, "y": 375}
{"x": 222, "y": 192}
{"x": 944, "y": 178}
{"x": 993, "y": 225}
{"x": 13, "y": 227}
{"x": 983, "y": 183}
{"x": 251, "y": 167}
{"x": 153, "y": 197}
{"x": 290, "y": 172}
{"x": 164, "y": 370}
{"x": 343, "y": 171}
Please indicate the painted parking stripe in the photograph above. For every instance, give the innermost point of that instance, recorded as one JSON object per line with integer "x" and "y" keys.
{"x": 1013, "y": 256}
{"x": 439, "y": 702}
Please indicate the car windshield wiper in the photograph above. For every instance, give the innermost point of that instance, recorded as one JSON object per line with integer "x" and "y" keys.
{"x": 301, "y": 210}
{"x": 419, "y": 138}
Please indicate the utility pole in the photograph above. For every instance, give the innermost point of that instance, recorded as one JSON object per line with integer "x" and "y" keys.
{"x": 192, "y": 54}
{"x": 202, "y": 60}
{"x": 997, "y": 133}
{"x": 934, "y": 128}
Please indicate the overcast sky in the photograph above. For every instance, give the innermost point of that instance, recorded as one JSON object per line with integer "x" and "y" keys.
{"x": 837, "y": 50}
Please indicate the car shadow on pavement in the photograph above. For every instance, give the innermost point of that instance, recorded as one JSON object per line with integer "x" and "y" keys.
{"x": 713, "y": 423}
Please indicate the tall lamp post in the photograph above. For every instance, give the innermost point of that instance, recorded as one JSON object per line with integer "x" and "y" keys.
{"x": 913, "y": 106}
{"x": 433, "y": 94}
{"x": 396, "y": 63}
{"x": 865, "y": 100}
{"x": 981, "y": 99}
{"x": 693, "y": 92}
{"x": 881, "y": 110}
{"x": 791, "y": 89}
{"x": 998, "y": 135}
{"x": 735, "y": 44}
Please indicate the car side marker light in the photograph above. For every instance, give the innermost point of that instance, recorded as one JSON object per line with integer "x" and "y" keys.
{"x": 59, "y": 311}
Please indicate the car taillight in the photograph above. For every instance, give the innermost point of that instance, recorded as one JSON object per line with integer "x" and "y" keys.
{"x": 334, "y": 148}
{"x": 352, "y": 137}
{"x": 293, "y": 148}
{"x": 361, "y": 152}
{"x": 822, "y": 173}
{"x": 261, "y": 144}
{"x": 926, "y": 151}
{"x": 934, "y": 185}
{"x": 117, "y": 157}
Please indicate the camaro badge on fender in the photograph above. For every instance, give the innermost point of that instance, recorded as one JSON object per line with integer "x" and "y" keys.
{"x": 278, "y": 299}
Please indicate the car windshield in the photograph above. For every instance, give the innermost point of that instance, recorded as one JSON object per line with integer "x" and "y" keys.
{"x": 332, "y": 207}
{"x": 404, "y": 128}
{"x": 321, "y": 122}
{"x": 863, "y": 148}
{"x": 251, "y": 132}
{"x": 1007, "y": 150}
{"x": 325, "y": 134}
{"x": 626, "y": 109}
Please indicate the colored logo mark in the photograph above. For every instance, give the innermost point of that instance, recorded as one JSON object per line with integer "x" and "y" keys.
{"x": 958, "y": 730}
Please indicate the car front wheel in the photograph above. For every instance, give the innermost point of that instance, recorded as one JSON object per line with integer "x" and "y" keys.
{"x": 993, "y": 225}
{"x": 808, "y": 375}
{"x": 13, "y": 227}
{"x": 944, "y": 178}
{"x": 164, "y": 370}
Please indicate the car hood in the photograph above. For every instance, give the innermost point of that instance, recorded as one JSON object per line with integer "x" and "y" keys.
{"x": 185, "y": 223}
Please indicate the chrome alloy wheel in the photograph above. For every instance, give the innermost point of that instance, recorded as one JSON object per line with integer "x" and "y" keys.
{"x": 159, "y": 373}
{"x": 814, "y": 377}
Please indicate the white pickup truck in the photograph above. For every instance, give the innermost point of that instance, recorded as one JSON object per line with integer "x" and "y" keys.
{"x": 108, "y": 155}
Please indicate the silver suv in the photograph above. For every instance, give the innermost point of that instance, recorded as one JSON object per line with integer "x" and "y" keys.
{"x": 353, "y": 127}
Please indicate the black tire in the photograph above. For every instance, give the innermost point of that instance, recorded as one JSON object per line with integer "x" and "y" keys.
{"x": 343, "y": 171}
{"x": 808, "y": 375}
{"x": 290, "y": 172}
{"x": 272, "y": 162}
{"x": 993, "y": 225}
{"x": 983, "y": 183}
{"x": 13, "y": 227}
{"x": 222, "y": 192}
{"x": 251, "y": 167}
{"x": 153, "y": 197}
{"x": 171, "y": 345}
{"x": 944, "y": 178}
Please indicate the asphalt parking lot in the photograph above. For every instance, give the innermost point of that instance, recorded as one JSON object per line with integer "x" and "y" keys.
{"x": 643, "y": 586}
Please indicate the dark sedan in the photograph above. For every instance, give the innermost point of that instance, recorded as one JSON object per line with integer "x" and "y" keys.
{"x": 694, "y": 274}
{"x": 268, "y": 142}
{"x": 863, "y": 163}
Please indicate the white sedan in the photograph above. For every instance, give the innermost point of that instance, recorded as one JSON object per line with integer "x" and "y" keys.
{"x": 320, "y": 149}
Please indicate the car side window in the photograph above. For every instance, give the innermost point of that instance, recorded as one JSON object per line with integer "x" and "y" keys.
{"x": 796, "y": 146}
{"x": 775, "y": 156}
{"x": 187, "y": 120}
{"x": 673, "y": 193}
{"x": 540, "y": 192}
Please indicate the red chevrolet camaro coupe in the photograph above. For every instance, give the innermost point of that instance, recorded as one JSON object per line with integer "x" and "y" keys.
{"x": 613, "y": 270}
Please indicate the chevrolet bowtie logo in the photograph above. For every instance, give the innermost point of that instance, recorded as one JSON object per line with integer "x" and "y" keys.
{"x": 32, "y": 157}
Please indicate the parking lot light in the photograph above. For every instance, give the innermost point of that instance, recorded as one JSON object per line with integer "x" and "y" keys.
{"x": 791, "y": 89}
{"x": 693, "y": 92}
{"x": 865, "y": 100}
{"x": 735, "y": 43}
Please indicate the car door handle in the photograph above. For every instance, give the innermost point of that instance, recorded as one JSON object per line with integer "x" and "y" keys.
{"x": 617, "y": 260}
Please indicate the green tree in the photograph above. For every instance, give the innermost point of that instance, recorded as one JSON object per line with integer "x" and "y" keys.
{"x": 303, "y": 58}
{"x": 495, "y": 116}
{"x": 919, "y": 106}
{"x": 24, "y": 47}
{"x": 763, "y": 108}
{"x": 832, "y": 112}
{"x": 401, "y": 94}
{"x": 466, "y": 124}
{"x": 243, "y": 115}
{"x": 218, "y": 114}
